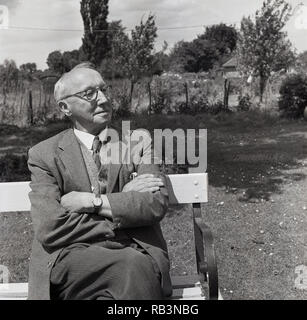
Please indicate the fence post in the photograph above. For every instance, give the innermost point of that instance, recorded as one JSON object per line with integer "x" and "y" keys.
{"x": 30, "y": 108}
{"x": 186, "y": 95}
{"x": 226, "y": 93}
{"x": 149, "y": 92}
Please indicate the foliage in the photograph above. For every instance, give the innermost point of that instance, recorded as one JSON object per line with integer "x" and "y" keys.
{"x": 109, "y": 67}
{"x": 28, "y": 68}
{"x": 293, "y": 96}
{"x": 135, "y": 54}
{"x": 262, "y": 45}
{"x": 211, "y": 48}
{"x": 161, "y": 97}
{"x": 9, "y": 74}
{"x": 55, "y": 62}
{"x": 14, "y": 168}
{"x": 244, "y": 102}
{"x": 71, "y": 59}
{"x": 95, "y": 39}
{"x": 223, "y": 37}
{"x": 59, "y": 62}
{"x": 301, "y": 61}
{"x": 120, "y": 99}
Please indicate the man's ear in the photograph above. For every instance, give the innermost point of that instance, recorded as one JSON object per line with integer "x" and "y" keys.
{"x": 65, "y": 108}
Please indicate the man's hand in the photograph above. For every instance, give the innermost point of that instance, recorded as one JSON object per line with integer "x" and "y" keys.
{"x": 144, "y": 183}
{"x": 78, "y": 201}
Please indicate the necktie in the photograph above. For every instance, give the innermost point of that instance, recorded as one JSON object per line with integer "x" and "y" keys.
{"x": 96, "y": 149}
{"x": 102, "y": 169}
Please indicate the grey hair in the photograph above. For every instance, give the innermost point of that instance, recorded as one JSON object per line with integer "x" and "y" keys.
{"x": 59, "y": 86}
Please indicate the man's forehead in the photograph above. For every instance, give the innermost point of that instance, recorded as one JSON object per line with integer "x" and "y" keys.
{"x": 77, "y": 80}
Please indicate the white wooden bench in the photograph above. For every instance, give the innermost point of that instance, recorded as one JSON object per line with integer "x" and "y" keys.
{"x": 191, "y": 188}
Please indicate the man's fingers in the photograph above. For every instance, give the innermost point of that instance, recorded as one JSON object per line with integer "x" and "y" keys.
{"x": 149, "y": 179}
{"x": 152, "y": 189}
{"x": 145, "y": 175}
{"x": 148, "y": 184}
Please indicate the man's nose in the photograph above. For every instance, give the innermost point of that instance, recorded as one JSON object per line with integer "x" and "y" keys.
{"x": 101, "y": 97}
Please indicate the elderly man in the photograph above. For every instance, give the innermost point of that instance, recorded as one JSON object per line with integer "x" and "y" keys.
{"x": 97, "y": 232}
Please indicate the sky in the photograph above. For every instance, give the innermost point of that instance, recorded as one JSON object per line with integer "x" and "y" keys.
{"x": 33, "y": 45}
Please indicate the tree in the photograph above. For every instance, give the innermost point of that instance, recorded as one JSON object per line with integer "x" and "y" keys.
{"x": 301, "y": 62}
{"x": 95, "y": 44}
{"x": 293, "y": 95}
{"x": 70, "y": 59}
{"x": 135, "y": 54}
{"x": 59, "y": 62}
{"x": 211, "y": 48}
{"x": 262, "y": 45}
{"x": 9, "y": 74}
{"x": 223, "y": 38}
{"x": 29, "y": 68}
{"x": 55, "y": 62}
{"x": 110, "y": 68}
{"x": 28, "y": 71}
{"x": 161, "y": 61}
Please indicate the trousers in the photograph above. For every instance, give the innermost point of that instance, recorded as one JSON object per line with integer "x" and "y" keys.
{"x": 105, "y": 271}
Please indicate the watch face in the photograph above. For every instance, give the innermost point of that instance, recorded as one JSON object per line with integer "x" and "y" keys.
{"x": 97, "y": 202}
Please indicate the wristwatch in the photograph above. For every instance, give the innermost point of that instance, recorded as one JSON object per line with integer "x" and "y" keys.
{"x": 97, "y": 203}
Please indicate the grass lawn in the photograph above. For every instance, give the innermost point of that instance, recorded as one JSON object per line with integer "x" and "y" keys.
{"x": 257, "y": 169}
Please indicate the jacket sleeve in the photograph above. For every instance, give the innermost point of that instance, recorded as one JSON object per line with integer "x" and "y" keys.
{"x": 54, "y": 226}
{"x": 137, "y": 209}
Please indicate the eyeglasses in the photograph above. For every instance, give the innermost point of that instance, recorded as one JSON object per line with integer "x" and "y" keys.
{"x": 90, "y": 94}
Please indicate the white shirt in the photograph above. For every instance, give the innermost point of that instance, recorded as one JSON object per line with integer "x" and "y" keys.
{"x": 87, "y": 139}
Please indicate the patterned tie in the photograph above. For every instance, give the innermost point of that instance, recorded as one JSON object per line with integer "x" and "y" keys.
{"x": 102, "y": 169}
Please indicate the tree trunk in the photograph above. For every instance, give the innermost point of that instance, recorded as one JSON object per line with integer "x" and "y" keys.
{"x": 131, "y": 93}
{"x": 186, "y": 96}
{"x": 149, "y": 93}
{"x": 262, "y": 84}
{"x": 226, "y": 93}
{"x": 30, "y": 109}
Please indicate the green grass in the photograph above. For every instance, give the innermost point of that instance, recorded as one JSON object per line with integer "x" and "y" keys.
{"x": 257, "y": 167}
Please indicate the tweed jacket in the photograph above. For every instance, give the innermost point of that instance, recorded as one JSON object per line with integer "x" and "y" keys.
{"x": 57, "y": 168}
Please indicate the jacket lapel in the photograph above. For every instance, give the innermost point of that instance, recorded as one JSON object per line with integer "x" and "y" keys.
{"x": 72, "y": 158}
{"x": 119, "y": 149}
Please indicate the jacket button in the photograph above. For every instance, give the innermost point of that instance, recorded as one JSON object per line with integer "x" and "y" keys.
{"x": 49, "y": 264}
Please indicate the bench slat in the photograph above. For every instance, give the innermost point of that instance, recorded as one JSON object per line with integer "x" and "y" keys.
{"x": 12, "y": 291}
{"x": 19, "y": 291}
{"x": 14, "y": 196}
{"x": 183, "y": 188}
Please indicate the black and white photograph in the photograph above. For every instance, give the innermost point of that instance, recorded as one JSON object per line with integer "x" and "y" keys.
{"x": 153, "y": 150}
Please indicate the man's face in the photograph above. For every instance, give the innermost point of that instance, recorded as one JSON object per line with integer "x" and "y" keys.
{"x": 89, "y": 115}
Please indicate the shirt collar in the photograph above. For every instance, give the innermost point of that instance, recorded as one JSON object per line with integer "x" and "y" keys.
{"x": 87, "y": 138}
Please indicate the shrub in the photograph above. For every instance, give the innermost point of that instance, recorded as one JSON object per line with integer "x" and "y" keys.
{"x": 14, "y": 168}
{"x": 244, "y": 102}
{"x": 121, "y": 99}
{"x": 217, "y": 107}
{"x": 293, "y": 96}
{"x": 161, "y": 97}
{"x": 197, "y": 104}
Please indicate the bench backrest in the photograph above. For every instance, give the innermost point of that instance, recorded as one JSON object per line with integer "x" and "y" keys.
{"x": 183, "y": 188}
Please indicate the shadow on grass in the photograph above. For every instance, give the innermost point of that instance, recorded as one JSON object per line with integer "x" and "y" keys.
{"x": 254, "y": 166}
